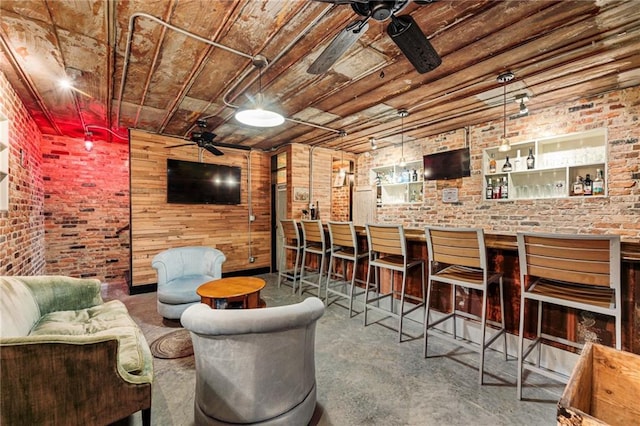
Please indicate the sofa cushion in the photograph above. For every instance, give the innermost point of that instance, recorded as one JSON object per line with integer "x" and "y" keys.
{"x": 182, "y": 290}
{"x": 108, "y": 319}
{"x": 19, "y": 310}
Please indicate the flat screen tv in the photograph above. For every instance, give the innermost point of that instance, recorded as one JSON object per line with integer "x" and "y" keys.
{"x": 189, "y": 182}
{"x": 452, "y": 164}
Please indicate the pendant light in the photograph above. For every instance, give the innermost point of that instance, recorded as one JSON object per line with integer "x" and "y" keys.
{"x": 373, "y": 143}
{"x": 258, "y": 116}
{"x": 504, "y": 142}
{"x": 402, "y": 113}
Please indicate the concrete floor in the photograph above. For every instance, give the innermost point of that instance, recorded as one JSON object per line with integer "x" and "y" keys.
{"x": 364, "y": 376}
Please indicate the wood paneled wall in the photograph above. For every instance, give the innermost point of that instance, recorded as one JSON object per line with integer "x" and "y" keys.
{"x": 157, "y": 225}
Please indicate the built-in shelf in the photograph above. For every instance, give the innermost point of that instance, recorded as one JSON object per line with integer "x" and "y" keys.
{"x": 558, "y": 162}
{"x": 396, "y": 184}
{"x": 4, "y": 163}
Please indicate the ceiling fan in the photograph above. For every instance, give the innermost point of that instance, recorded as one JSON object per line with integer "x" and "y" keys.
{"x": 203, "y": 139}
{"x": 403, "y": 30}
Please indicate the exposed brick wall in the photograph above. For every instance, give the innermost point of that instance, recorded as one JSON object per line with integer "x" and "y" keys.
{"x": 618, "y": 213}
{"x": 22, "y": 248}
{"x": 86, "y": 208}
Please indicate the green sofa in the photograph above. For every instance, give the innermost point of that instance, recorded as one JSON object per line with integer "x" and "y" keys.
{"x": 68, "y": 357}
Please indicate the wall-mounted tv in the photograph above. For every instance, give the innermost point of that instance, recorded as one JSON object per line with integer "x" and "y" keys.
{"x": 189, "y": 182}
{"x": 452, "y": 164}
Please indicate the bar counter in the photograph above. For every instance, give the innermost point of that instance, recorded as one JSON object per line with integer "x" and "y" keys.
{"x": 629, "y": 250}
{"x": 503, "y": 257}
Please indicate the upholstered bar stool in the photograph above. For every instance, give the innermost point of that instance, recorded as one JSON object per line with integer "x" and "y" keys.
{"x": 344, "y": 250}
{"x": 314, "y": 243}
{"x": 580, "y": 272}
{"x": 458, "y": 257}
{"x": 388, "y": 250}
{"x": 291, "y": 245}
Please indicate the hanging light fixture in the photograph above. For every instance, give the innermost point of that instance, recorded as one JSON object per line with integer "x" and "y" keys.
{"x": 258, "y": 116}
{"x": 88, "y": 141}
{"x": 373, "y": 143}
{"x": 402, "y": 113}
{"x": 521, "y": 99}
{"x": 504, "y": 142}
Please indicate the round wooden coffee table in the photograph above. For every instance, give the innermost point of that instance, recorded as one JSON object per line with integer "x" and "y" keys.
{"x": 232, "y": 292}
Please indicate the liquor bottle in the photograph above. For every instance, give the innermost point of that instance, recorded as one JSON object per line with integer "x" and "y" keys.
{"x": 492, "y": 163}
{"x": 317, "y": 210}
{"x": 378, "y": 179}
{"x": 531, "y": 160}
{"x": 489, "y": 193}
{"x": 516, "y": 163}
{"x": 578, "y": 186}
{"x": 414, "y": 175}
{"x": 507, "y": 165}
{"x": 504, "y": 190}
{"x": 598, "y": 183}
{"x": 588, "y": 185}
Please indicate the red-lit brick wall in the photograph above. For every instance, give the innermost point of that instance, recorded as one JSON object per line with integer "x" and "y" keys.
{"x": 86, "y": 211}
{"x": 22, "y": 237}
{"x": 618, "y": 213}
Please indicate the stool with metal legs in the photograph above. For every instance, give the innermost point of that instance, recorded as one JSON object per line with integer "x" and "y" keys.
{"x": 344, "y": 249}
{"x": 291, "y": 245}
{"x": 570, "y": 272}
{"x": 313, "y": 243}
{"x": 388, "y": 250}
{"x": 458, "y": 257}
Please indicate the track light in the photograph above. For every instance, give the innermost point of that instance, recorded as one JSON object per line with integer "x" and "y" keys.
{"x": 373, "y": 143}
{"x": 521, "y": 99}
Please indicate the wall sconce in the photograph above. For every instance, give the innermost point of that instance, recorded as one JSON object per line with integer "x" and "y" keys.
{"x": 88, "y": 141}
{"x": 373, "y": 143}
{"x": 521, "y": 99}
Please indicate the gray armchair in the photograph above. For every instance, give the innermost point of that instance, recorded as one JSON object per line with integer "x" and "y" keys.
{"x": 254, "y": 366}
{"x": 180, "y": 272}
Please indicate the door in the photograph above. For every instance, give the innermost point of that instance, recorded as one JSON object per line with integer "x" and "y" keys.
{"x": 280, "y": 204}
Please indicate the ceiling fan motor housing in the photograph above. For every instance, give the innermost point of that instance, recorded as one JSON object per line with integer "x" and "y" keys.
{"x": 378, "y": 10}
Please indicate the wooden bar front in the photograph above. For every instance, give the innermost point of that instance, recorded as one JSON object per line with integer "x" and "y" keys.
{"x": 503, "y": 257}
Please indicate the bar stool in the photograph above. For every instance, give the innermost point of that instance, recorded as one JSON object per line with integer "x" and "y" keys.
{"x": 571, "y": 271}
{"x": 458, "y": 257}
{"x": 291, "y": 244}
{"x": 313, "y": 243}
{"x": 388, "y": 250}
{"x": 344, "y": 247}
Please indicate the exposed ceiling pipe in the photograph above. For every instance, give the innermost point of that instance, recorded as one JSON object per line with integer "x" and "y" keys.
{"x": 209, "y": 42}
{"x": 152, "y": 67}
{"x": 27, "y": 81}
{"x": 174, "y": 28}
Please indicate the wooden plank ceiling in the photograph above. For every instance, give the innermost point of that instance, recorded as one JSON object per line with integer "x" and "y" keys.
{"x": 558, "y": 50}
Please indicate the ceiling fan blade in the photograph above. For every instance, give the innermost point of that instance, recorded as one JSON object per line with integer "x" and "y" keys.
{"x": 177, "y": 146}
{"x": 212, "y": 149}
{"x": 407, "y": 35}
{"x": 343, "y": 41}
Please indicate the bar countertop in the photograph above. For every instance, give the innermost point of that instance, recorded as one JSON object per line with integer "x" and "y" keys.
{"x": 629, "y": 250}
